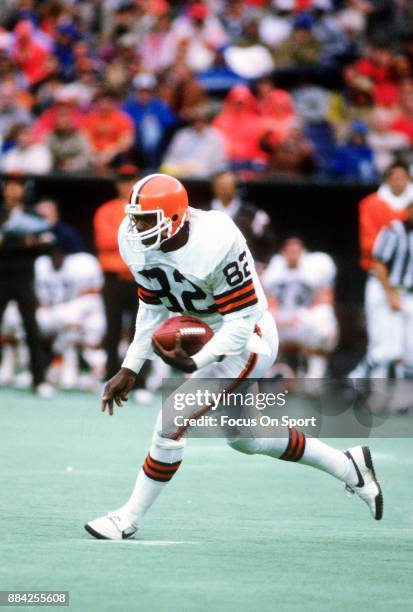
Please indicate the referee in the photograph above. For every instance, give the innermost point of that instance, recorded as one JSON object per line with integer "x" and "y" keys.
{"x": 393, "y": 266}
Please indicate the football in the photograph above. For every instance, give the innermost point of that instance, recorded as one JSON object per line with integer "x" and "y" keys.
{"x": 193, "y": 332}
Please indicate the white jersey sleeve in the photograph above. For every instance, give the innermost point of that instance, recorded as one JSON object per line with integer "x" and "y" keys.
{"x": 147, "y": 320}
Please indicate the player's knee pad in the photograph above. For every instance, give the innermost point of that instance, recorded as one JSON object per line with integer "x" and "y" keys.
{"x": 248, "y": 446}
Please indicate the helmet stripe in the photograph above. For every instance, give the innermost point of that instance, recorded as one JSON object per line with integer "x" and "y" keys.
{"x": 138, "y": 187}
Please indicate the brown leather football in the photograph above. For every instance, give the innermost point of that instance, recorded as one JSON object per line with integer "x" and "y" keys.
{"x": 193, "y": 332}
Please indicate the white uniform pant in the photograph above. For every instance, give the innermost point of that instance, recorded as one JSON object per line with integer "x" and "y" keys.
{"x": 234, "y": 367}
{"x": 84, "y": 317}
{"x": 390, "y": 332}
{"x": 316, "y": 328}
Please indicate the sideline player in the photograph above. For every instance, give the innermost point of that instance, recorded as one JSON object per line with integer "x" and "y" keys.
{"x": 300, "y": 288}
{"x": 70, "y": 313}
{"x": 191, "y": 261}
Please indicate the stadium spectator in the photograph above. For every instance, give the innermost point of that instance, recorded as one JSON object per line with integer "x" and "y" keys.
{"x": 46, "y": 122}
{"x": 29, "y": 52}
{"x": 354, "y": 159}
{"x": 26, "y": 156}
{"x": 109, "y": 130}
{"x": 242, "y": 127}
{"x": 201, "y": 35}
{"x": 300, "y": 50}
{"x": 403, "y": 122}
{"x": 65, "y": 235}
{"x": 253, "y": 222}
{"x": 159, "y": 48}
{"x": 24, "y": 11}
{"x": 197, "y": 150}
{"x": 65, "y": 35}
{"x": 312, "y": 102}
{"x": 11, "y": 111}
{"x": 69, "y": 147}
{"x": 277, "y": 23}
{"x": 329, "y": 32}
{"x": 248, "y": 57}
{"x": 119, "y": 290}
{"x": 22, "y": 238}
{"x": 234, "y": 16}
{"x": 277, "y": 107}
{"x": 353, "y": 17}
{"x": 384, "y": 140}
{"x": 181, "y": 91}
{"x": 292, "y": 156}
{"x": 153, "y": 120}
{"x": 371, "y": 71}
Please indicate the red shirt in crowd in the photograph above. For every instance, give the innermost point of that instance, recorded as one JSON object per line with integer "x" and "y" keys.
{"x": 241, "y": 126}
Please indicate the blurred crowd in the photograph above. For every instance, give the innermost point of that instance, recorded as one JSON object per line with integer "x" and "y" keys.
{"x": 262, "y": 87}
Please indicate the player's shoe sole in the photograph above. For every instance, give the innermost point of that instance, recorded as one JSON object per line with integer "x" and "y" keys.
{"x": 94, "y": 533}
{"x": 368, "y": 487}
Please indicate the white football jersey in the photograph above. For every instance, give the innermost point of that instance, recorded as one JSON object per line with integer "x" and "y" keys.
{"x": 295, "y": 288}
{"x": 80, "y": 274}
{"x": 212, "y": 276}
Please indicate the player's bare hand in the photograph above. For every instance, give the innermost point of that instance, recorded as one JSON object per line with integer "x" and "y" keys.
{"x": 177, "y": 358}
{"x": 393, "y": 298}
{"x": 117, "y": 389}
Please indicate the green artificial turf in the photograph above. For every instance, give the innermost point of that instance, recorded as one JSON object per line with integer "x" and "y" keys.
{"x": 230, "y": 532}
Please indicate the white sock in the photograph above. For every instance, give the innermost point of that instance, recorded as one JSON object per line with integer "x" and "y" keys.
{"x": 69, "y": 372}
{"x": 317, "y": 366}
{"x": 329, "y": 459}
{"x": 312, "y": 452}
{"x": 8, "y": 364}
{"x": 159, "y": 467}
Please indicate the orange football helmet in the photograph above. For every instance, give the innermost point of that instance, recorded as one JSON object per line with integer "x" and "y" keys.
{"x": 163, "y": 197}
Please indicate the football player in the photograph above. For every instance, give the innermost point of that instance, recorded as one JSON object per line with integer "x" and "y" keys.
{"x": 300, "y": 288}
{"x": 197, "y": 262}
{"x": 70, "y": 313}
{"x": 71, "y": 310}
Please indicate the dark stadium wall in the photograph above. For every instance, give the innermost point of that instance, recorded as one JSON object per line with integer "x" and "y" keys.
{"x": 323, "y": 213}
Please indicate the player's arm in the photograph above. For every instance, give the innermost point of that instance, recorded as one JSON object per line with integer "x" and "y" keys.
{"x": 151, "y": 313}
{"x": 383, "y": 252}
{"x": 382, "y": 273}
{"x": 118, "y": 387}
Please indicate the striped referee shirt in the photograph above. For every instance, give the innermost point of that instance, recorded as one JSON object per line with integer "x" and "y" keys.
{"x": 394, "y": 248}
